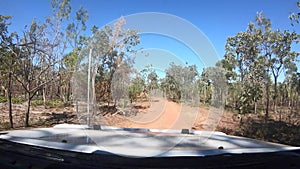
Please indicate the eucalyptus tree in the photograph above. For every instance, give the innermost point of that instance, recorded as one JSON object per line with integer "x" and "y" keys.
{"x": 233, "y": 65}
{"x": 109, "y": 48}
{"x": 171, "y": 88}
{"x": 180, "y": 83}
{"x": 293, "y": 82}
{"x": 256, "y": 57}
{"x": 295, "y": 77}
{"x": 56, "y": 33}
{"x": 294, "y": 17}
{"x": 42, "y": 46}
{"x": 76, "y": 41}
{"x": 243, "y": 65}
{"x": 276, "y": 47}
{"x": 204, "y": 89}
{"x": 266, "y": 35}
{"x": 296, "y": 82}
{"x": 216, "y": 84}
{"x": 33, "y": 75}
{"x": 283, "y": 58}
{"x": 150, "y": 78}
{"x": 153, "y": 80}
{"x": 190, "y": 75}
{"x": 136, "y": 87}
{"x": 8, "y": 65}
{"x": 120, "y": 86}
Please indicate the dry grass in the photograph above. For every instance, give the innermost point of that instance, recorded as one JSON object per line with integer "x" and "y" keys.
{"x": 284, "y": 129}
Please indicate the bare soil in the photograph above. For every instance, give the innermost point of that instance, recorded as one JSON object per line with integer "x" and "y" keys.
{"x": 159, "y": 113}
{"x": 162, "y": 114}
{"x": 39, "y": 116}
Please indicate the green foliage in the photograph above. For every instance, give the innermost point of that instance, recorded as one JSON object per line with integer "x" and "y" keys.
{"x": 152, "y": 80}
{"x": 17, "y": 100}
{"x": 253, "y": 61}
{"x": 4, "y": 23}
{"x": 55, "y": 103}
{"x": 112, "y": 49}
{"x": 5, "y": 125}
{"x": 37, "y": 102}
{"x": 180, "y": 83}
{"x": 49, "y": 103}
{"x": 205, "y": 90}
{"x": 135, "y": 88}
{"x": 3, "y": 99}
{"x": 41, "y": 47}
{"x": 294, "y": 17}
{"x": 216, "y": 79}
{"x": 13, "y": 100}
{"x": 120, "y": 83}
{"x": 71, "y": 59}
{"x": 255, "y": 57}
{"x": 61, "y": 8}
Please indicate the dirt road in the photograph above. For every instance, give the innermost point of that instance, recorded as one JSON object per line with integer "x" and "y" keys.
{"x": 164, "y": 114}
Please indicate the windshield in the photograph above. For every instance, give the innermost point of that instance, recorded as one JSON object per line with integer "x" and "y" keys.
{"x": 162, "y": 68}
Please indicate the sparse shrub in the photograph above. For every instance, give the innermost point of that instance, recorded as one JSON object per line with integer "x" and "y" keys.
{"x": 3, "y": 99}
{"x": 50, "y": 103}
{"x": 55, "y": 103}
{"x": 67, "y": 104}
{"x": 14, "y": 100}
{"x": 17, "y": 100}
{"x": 5, "y": 125}
{"x": 37, "y": 102}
